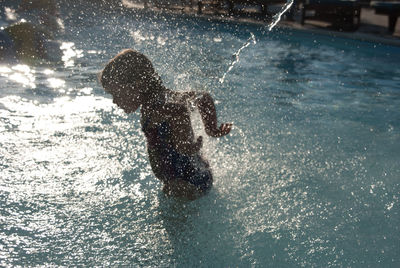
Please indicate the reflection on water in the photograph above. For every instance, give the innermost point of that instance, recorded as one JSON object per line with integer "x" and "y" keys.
{"x": 22, "y": 74}
{"x": 307, "y": 178}
{"x": 25, "y": 75}
{"x": 70, "y": 53}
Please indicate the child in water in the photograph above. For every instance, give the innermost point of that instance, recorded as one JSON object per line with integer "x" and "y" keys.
{"x": 174, "y": 153}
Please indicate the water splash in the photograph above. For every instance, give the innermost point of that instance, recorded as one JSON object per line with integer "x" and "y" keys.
{"x": 252, "y": 39}
{"x": 276, "y": 18}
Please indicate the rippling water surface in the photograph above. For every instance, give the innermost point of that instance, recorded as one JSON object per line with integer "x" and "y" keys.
{"x": 308, "y": 177}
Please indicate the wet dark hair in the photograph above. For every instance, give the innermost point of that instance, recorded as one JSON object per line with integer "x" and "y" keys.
{"x": 126, "y": 69}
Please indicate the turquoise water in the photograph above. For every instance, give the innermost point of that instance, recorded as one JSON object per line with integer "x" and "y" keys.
{"x": 308, "y": 177}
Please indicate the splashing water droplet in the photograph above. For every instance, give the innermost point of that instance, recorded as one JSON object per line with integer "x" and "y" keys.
{"x": 277, "y": 17}
{"x": 252, "y": 39}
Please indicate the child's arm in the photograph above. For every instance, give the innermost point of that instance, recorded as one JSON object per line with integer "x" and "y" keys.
{"x": 208, "y": 113}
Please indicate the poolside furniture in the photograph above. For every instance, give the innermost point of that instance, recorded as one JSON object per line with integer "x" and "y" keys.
{"x": 214, "y": 4}
{"x": 263, "y": 4}
{"x": 391, "y": 9}
{"x": 344, "y": 14}
{"x": 233, "y": 3}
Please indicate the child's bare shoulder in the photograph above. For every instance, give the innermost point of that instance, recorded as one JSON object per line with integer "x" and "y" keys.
{"x": 175, "y": 108}
{"x": 188, "y": 96}
{"x": 177, "y": 101}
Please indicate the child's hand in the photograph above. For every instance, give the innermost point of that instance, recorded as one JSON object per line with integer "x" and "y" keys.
{"x": 223, "y": 130}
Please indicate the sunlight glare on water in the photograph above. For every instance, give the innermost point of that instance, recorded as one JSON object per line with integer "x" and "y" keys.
{"x": 22, "y": 74}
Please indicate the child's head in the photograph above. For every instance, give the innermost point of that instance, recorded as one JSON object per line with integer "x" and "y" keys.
{"x": 128, "y": 76}
{"x": 127, "y": 69}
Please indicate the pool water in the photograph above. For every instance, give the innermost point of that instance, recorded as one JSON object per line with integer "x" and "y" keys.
{"x": 308, "y": 177}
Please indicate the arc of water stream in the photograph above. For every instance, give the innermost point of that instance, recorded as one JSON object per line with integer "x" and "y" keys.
{"x": 252, "y": 39}
{"x": 237, "y": 54}
{"x": 277, "y": 17}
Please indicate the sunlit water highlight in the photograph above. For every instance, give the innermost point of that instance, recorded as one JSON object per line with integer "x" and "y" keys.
{"x": 308, "y": 177}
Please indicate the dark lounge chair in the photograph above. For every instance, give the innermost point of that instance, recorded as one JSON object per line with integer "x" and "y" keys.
{"x": 232, "y": 4}
{"x": 343, "y": 14}
{"x": 263, "y": 4}
{"x": 391, "y": 9}
{"x": 216, "y": 5}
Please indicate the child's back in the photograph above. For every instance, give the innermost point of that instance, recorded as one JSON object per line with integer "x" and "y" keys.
{"x": 174, "y": 153}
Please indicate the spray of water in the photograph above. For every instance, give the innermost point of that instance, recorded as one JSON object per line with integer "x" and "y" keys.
{"x": 276, "y": 18}
{"x": 252, "y": 39}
